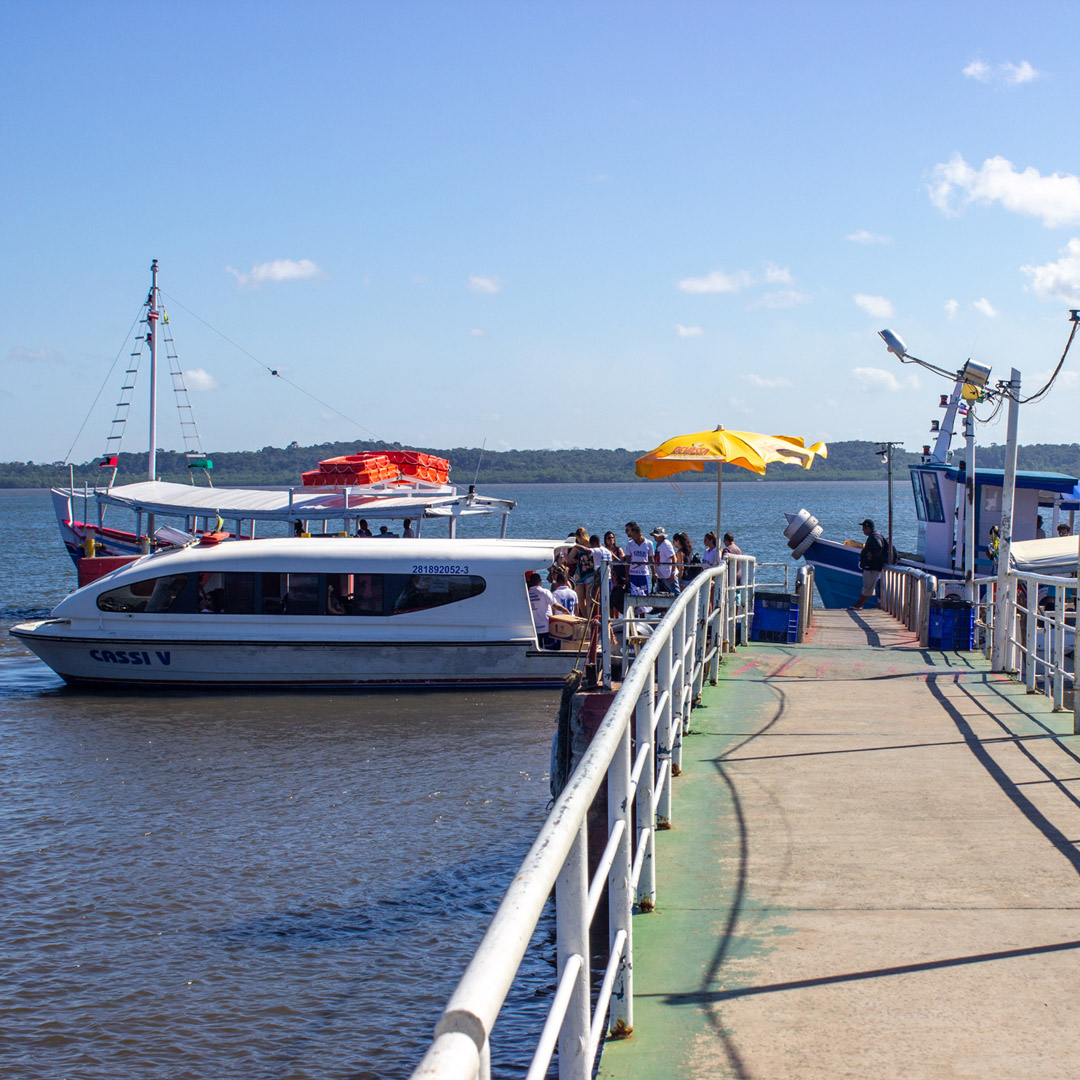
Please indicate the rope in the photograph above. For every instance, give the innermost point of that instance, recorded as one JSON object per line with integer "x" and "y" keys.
{"x": 274, "y": 371}
{"x": 104, "y": 383}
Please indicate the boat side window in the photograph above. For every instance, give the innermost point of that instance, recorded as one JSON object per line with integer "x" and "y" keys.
{"x": 273, "y": 590}
{"x": 932, "y": 496}
{"x": 151, "y": 595}
{"x": 367, "y": 594}
{"x": 418, "y": 592}
{"x": 920, "y": 512}
{"x": 302, "y": 595}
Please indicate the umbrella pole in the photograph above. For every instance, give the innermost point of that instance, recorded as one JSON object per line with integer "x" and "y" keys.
{"x": 719, "y": 493}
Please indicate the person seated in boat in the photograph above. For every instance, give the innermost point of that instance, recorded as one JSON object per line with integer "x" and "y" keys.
{"x": 384, "y": 531}
{"x": 563, "y": 593}
{"x": 1040, "y": 532}
{"x": 407, "y": 531}
{"x": 543, "y": 603}
{"x": 1064, "y": 530}
{"x": 362, "y": 528}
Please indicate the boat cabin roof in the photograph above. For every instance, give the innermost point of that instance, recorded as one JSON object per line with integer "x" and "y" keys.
{"x": 310, "y": 504}
{"x": 1055, "y": 483}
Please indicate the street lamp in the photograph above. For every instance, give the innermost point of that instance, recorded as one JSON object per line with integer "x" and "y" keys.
{"x": 972, "y": 380}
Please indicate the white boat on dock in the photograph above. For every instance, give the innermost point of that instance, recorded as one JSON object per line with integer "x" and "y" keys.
{"x": 308, "y": 612}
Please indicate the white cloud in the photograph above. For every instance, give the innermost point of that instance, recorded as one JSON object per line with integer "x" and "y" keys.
{"x": 199, "y": 379}
{"x": 777, "y": 382}
{"x": 476, "y": 332}
{"x": 1058, "y": 280}
{"x": 777, "y": 275}
{"x": 486, "y": 285}
{"x": 20, "y": 355}
{"x": 717, "y": 282}
{"x": 864, "y": 236}
{"x": 951, "y": 307}
{"x": 739, "y": 405}
{"x": 877, "y": 307}
{"x": 876, "y": 380}
{"x": 1006, "y": 73}
{"x": 688, "y": 331}
{"x": 275, "y": 270}
{"x": 1016, "y": 74}
{"x": 985, "y": 307}
{"x": 782, "y": 298}
{"x": 1055, "y": 198}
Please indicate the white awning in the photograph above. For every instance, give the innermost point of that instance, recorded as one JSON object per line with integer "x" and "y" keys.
{"x": 1055, "y": 555}
{"x": 291, "y": 504}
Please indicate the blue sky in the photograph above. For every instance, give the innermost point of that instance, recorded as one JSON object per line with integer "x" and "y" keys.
{"x": 535, "y": 224}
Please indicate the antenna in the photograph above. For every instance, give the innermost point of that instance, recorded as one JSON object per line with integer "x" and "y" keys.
{"x": 478, "y": 460}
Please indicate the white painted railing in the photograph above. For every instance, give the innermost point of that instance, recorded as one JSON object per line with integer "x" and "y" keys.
{"x": 905, "y": 594}
{"x": 650, "y": 712}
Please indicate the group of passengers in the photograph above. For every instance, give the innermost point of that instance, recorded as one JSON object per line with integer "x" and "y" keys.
{"x": 362, "y": 529}
{"x": 660, "y": 565}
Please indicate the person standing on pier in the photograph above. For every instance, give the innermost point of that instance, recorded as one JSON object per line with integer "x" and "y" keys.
{"x": 639, "y": 553}
{"x": 667, "y": 577}
{"x": 871, "y": 560}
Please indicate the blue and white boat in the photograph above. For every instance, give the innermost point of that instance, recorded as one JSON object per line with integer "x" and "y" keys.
{"x": 938, "y": 488}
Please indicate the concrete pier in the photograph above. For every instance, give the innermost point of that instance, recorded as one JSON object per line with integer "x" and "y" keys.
{"x": 874, "y": 872}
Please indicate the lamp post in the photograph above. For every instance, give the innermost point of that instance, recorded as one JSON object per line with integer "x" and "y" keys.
{"x": 885, "y": 452}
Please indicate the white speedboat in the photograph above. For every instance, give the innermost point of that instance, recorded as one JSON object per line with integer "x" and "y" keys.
{"x": 308, "y": 612}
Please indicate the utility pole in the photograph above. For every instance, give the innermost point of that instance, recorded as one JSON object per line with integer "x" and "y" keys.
{"x": 885, "y": 452}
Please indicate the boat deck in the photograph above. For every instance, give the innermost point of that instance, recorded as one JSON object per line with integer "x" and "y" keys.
{"x": 873, "y": 871}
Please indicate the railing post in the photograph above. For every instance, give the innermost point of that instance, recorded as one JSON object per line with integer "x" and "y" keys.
{"x": 678, "y": 692}
{"x": 1031, "y": 655}
{"x": 665, "y": 733}
{"x": 572, "y": 931}
{"x": 646, "y": 825}
{"x": 701, "y": 640}
{"x": 717, "y": 619}
{"x": 620, "y": 899}
{"x": 605, "y": 622}
{"x": 1058, "y": 651}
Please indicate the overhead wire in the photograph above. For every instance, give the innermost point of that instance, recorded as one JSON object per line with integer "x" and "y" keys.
{"x": 1048, "y": 385}
{"x": 273, "y": 371}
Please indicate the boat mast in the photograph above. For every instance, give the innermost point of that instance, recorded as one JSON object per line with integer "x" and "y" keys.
{"x": 152, "y": 321}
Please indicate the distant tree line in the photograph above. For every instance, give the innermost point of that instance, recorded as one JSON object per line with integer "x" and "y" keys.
{"x": 281, "y": 467}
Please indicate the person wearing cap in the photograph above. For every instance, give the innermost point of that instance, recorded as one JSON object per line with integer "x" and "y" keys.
{"x": 667, "y": 580}
{"x": 872, "y": 558}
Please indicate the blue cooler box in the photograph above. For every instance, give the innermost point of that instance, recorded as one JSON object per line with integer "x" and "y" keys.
{"x": 952, "y": 625}
{"x": 776, "y": 617}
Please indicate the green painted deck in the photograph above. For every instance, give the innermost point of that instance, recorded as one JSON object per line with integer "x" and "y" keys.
{"x": 874, "y": 872}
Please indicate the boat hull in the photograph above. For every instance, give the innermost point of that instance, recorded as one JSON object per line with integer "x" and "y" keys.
{"x": 837, "y": 574}
{"x": 148, "y": 662}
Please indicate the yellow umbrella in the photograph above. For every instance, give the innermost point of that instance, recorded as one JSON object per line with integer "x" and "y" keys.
{"x": 747, "y": 449}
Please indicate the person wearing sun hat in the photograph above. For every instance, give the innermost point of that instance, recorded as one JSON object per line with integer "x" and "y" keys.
{"x": 667, "y": 581}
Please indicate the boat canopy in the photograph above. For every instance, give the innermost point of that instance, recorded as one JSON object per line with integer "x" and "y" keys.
{"x": 1053, "y": 483}
{"x": 1054, "y": 555}
{"x": 288, "y": 504}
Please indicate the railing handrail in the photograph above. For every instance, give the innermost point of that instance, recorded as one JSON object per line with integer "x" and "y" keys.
{"x": 460, "y": 1048}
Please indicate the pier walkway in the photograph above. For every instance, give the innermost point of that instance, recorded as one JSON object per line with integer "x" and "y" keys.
{"x": 874, "y": 872}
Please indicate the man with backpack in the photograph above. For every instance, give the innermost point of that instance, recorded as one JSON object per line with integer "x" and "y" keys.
{"x": 875, "y": 554}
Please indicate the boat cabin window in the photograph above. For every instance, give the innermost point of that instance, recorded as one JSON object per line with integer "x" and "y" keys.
{"x": 920, "y": 512}
{"x": 151, "y": 595}
{"x": 291, "y": 594}
{"x": 932, "y": 496}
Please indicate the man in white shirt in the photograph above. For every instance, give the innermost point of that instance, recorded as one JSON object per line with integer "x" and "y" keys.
{"x": 543, "y": 604}
{"x": 563, "y": 593}
{"x": 408, "y": 530}
{"x": 667, "y": 581}
{"x": 639, "y": 553}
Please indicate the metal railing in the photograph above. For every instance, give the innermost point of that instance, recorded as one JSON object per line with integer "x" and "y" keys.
{"x": 905, "y": 594}
{"x": 1040, "y": 634}
{"x": 637, "y": 748}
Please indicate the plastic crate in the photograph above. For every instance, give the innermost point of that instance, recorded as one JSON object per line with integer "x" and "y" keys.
{"x": 952, "y": 625}
{"x": 776, "y": 618}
